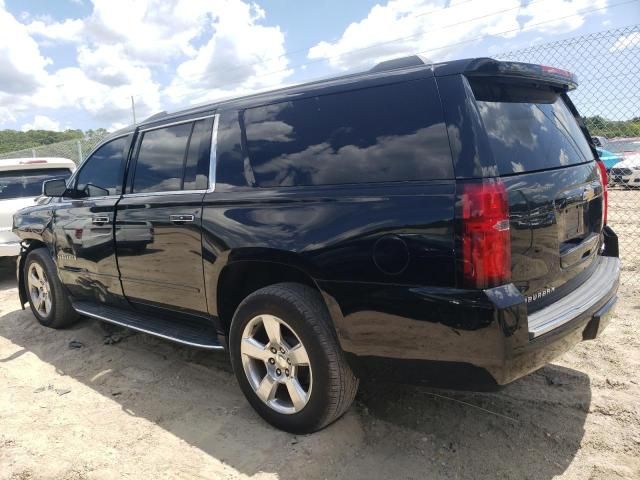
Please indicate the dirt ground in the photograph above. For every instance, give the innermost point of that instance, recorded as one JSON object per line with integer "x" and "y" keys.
{"x": 145, "y": 408}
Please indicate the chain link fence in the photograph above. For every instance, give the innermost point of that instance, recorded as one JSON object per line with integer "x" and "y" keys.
{"x": 608, "y": 97}
{"x": 75, "y": 150}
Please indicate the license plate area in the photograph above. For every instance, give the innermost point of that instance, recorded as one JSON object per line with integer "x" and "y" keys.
{"x": 571, "y": 223}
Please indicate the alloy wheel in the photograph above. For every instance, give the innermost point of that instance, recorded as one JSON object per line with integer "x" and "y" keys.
{"x": 276, "y": 364}
{"x": 39, "y": 289}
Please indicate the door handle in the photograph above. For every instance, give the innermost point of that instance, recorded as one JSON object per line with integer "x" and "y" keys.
{"x": 181, "y": 218}
{"x": 100, "y": 220}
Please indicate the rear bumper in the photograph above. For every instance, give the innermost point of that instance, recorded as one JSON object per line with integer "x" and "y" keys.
{"x": 463, "y": 339}
{"x": 581, "y": 315}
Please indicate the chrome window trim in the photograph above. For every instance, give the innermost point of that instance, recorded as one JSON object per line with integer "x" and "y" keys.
{"x": 70, "y": 201}
{"x": 213, "y": 154}
{"x": 167, "y": 192}
{"x": 178, "y": 122}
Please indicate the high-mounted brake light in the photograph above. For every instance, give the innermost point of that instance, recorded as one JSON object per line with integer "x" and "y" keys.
{"x": 605, "y": 193}
{"x": 30, "y": 162}
{"x": 563, "y": 79}
{"x": 556, "y": 71}
{"x": 486, "y": 241}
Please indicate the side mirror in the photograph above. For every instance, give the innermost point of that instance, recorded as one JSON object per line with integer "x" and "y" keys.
{"x": 55, "y": 187}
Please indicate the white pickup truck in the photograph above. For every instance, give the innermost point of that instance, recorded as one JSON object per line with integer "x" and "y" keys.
{"x": 20, "y": 186}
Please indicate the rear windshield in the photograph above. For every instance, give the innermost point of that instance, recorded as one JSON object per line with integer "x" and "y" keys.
{"x": 27, "y": 183}
{"x": 530, "y": 130}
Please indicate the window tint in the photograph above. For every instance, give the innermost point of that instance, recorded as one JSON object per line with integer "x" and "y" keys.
{"x": 161, "y": 157}
{"x": 533, "y": 136}
{"x": 28, "y": 183}
{"x": 380, "y": 134}
{"x": 174, "y": 158}
{"x": 196, "y": 173}
{"x": 102, "y": 173}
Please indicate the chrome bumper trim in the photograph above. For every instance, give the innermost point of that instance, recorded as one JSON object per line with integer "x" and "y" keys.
{"x": 592, "y": 291}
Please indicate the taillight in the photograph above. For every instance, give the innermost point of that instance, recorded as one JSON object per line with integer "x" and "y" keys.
{"x": 605, "y": 193}
{"x": 486, "y": 242}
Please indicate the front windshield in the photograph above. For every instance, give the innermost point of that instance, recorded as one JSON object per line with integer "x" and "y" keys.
{"x": 27, "y": 183}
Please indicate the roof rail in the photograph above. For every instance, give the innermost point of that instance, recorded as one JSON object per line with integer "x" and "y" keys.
{"x": 155, "y": 116}
{"x": 403, "y": 62}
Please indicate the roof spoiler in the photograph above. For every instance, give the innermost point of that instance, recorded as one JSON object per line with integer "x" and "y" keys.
{"x": 516, "y": 70}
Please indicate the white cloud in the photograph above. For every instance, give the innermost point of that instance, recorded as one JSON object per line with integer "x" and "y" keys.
{"x": 70, "y": 30}
{"x": 108, "y": 104}
{"x": 42, "y": 122}
{"x": 22, "y": 66}
{"x": 626, "y": 41}
{"x": 124, "y": 46}
{"x": 563, "y": 11}
{"x": 108, "y": 64}
{"x": 240, "y": 56}
{"x": 404, "y": 27}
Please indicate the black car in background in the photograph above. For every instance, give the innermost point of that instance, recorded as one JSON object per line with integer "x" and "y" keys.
{"x": 441, "y": 223}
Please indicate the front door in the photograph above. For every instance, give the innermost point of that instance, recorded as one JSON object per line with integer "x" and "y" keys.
{"x": 158, "y": 221}
{"x": 83, "y": 227}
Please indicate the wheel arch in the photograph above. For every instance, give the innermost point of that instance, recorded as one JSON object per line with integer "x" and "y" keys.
{"x": 240, "y": 278}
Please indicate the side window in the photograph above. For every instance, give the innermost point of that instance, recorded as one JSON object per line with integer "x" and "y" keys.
{"x": 102, "y": 173}
{"x": 161, "y": 157}
{"x": 196, "y": 171}
{"x": 174, "y": 158}
{"x": 378, "y": 134}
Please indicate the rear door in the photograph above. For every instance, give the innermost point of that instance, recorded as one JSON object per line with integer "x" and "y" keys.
{"x": 555, "y": 192}
{"x": 158, "y": 227}
{"x": 83, "y": 227}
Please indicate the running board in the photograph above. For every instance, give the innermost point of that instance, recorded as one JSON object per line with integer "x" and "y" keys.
{"x": 201, "y": 334}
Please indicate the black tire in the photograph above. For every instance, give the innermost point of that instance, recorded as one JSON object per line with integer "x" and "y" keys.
{"x": 61, "y": 314}
{"x": 334, "y": 384}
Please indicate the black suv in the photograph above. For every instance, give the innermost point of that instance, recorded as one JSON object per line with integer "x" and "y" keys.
{"x": 439, "y": 223}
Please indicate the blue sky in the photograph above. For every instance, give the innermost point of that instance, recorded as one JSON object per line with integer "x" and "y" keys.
{"x": 75, "y": 63}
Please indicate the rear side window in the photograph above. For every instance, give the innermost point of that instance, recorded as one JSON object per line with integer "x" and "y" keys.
{"x": 173, "y": 158}
{"x": 196, "y": 173}
{"x": 530, "y": 135}
{"x": 161, "y": 156}
{"x": 378, "y": 134}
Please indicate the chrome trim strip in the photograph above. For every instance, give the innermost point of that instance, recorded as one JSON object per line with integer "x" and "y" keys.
{"x": 213, "y": 155}
{"x": 181, "y": 218}
{"x": 69, "y": 201}
{"x": 150, "y": 332}
{"x": 590, "y": 241}
{"x": 178, "y": 122}
{"x": 576, "y": 254}
{"x": 601, "y": 282}
{"x": 155, "y": 194}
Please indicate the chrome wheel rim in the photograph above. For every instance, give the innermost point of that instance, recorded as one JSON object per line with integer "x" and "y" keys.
{"x": 39, "y": 289}
{"x": 276, "y": 364}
